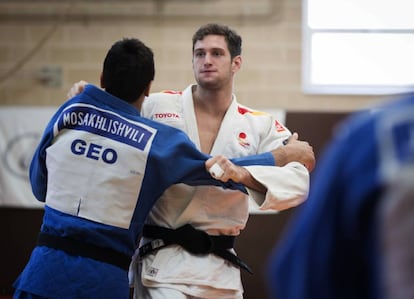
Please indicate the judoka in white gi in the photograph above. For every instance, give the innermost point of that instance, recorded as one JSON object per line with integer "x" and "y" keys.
{"x": 237, "y": 131}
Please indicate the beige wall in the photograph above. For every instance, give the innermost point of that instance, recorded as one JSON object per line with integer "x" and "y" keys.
{"x": 34, "y": 36}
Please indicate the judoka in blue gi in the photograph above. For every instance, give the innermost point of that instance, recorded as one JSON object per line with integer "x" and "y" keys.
{"x": 334, "y": 246}
{"x": 99, "y": 168}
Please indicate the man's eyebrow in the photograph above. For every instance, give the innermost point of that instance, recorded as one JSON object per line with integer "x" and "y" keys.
{"x": 213, "y": 49}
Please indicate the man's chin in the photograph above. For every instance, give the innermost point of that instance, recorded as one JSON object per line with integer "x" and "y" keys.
{"x": 209, "y": 84}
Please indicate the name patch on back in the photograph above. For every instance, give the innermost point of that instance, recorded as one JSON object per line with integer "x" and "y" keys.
{"x": 105, "y": 124}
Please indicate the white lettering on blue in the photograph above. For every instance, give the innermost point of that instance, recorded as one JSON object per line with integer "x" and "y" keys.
{"x": 104, "y": 124}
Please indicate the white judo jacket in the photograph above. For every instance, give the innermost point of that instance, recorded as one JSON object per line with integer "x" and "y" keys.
{"x": 217, "y": 211}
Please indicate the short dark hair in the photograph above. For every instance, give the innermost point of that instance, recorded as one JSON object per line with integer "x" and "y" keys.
{"x": 128, "y": 69}
{"x": 233, "y": 40}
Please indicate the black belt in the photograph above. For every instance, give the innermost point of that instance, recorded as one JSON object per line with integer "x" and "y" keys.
{"x": 79, "y": 248}
{"x": 193, "y": 240}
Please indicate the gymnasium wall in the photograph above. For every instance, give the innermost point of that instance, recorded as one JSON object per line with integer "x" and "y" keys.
{"x": 47, "y": 45}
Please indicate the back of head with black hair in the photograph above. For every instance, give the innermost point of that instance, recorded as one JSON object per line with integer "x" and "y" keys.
{"x": 128, "y": 69}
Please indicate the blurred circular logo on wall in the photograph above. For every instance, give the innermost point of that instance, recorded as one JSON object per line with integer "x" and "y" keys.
{"x": 18, "y": 154}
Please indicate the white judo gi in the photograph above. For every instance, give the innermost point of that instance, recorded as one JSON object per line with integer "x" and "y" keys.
{"x": 216, "y": 211}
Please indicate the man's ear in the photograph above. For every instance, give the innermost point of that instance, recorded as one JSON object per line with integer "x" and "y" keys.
{"x": 147, "y": 89}
{"x": 236, "y": 63}
{"x": 102, "y": 82}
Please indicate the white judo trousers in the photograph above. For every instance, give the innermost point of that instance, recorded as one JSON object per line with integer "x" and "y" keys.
{"x": 214, "y": 210}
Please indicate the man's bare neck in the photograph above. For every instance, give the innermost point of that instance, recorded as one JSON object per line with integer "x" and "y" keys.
{"x": 212, "y": 101}
{"x": 210, "y": 109}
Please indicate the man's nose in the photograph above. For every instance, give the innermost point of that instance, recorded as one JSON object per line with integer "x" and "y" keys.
{"x": 207, "y": 58}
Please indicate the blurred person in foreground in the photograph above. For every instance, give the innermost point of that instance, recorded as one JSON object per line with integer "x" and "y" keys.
{"x": 336, "y": 245}
{"x": 396, "y": 231}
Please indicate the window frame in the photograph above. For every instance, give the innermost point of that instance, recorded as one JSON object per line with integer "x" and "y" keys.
{"x": 309, "y": 87}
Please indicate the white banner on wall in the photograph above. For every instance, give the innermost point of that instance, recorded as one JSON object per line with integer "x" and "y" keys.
{"x": 20, "y": 131}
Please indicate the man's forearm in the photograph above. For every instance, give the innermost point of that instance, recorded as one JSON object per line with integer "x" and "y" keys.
{"x": 250, "y": 182}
